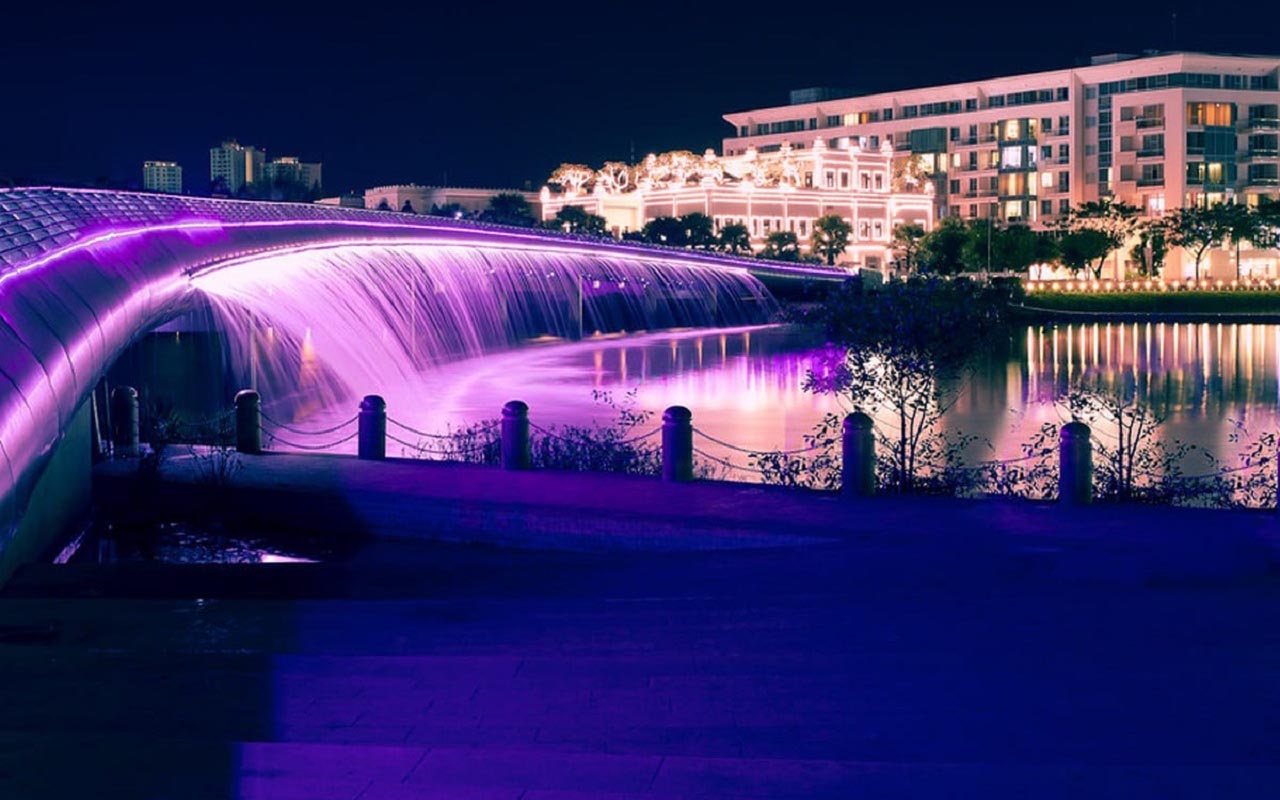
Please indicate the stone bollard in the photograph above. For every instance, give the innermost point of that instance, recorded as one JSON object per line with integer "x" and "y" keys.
{"x": 124, "y": 421}
{"x": 858, "y": 468}
{"x": 514, "y": 439}
{"x": 677, "y": 444}
{"x": 248, "y": 422}
{"x": 1075, "y": 465}
{"x": 371, "y": 439}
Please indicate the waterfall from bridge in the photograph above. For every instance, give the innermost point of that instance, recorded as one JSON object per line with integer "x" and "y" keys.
{"x": 314, "y": 328}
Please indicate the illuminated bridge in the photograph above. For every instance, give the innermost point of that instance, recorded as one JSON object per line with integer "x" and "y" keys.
{"x": 85, "y": 273}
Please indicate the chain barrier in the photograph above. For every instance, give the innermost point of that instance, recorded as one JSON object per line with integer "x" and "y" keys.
{"x": 1000, "y": 462}
{"x": 550, "y": 434}
{"x": 734, "y": 447}
{"x": 725, "y": 463}
{"x": 300, "y": 432}
{"x": 423, "y": 434}
{"x": 211, "y": 421}
{"x": 479, "y": 447}
{"x": 315, "y": 447}
{"x": 1143, "y": 473}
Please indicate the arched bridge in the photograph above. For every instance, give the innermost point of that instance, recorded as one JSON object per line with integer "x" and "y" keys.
{"x": 83, "y": 273}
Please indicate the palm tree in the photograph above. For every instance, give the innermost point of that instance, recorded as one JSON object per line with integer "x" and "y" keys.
{"x": 735, "y": 238}
{"x": 699, "y": 231}
{"x": 830, "y": 237}
{"x": 907, "y": 240}
{"x": 781, "y": 246}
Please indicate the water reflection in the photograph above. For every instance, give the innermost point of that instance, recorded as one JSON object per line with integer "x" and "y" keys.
{"x": 1184, "y": 371}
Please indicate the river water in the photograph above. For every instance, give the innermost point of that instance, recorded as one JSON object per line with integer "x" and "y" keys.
{"x": 746, "y": 385}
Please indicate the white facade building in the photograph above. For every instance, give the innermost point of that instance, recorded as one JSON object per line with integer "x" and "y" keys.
{"x": 784, "y": 190}
{"x": 162, "y": 176}
{"x": 1160, "y": 131}
{"x": 417, "y": 199}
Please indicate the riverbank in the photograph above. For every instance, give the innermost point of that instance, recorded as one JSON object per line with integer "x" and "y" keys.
{"x": 542, "y": 510}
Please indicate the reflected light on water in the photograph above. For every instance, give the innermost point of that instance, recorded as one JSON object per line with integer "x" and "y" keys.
{"x": 747, "y": 385}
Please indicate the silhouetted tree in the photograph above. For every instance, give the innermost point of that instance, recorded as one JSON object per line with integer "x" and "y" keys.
{"x": 908, "y": 241}
{"x": 830, "y": 237}
{"x": 781, "y": 246}
{"x": 454, "y": 210}
{"x": 576, "y": 219}
{"x": 699, "y": 231}
{"x": 665, "y": 230}
{"x": 509, "y": 208}
{"x": 942, "y": 249}
{"x": 735, "y": 238}
{"x": 1197, "y": 229}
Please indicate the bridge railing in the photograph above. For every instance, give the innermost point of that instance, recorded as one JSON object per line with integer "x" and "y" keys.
{"x": 509, "y": 444}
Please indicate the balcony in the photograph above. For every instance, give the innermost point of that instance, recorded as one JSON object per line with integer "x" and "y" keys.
{"x": 1263, "y": 123}
{"x": 1150, "y": 182}
{"x": 1150, "y": 122}
{"x": 1260, "y": 181}
{"x": 1154, "y": 152}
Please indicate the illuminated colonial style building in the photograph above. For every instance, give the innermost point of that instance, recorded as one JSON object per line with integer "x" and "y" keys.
{"x": 783, "y": 190}
{"x": 1159, "y": 131}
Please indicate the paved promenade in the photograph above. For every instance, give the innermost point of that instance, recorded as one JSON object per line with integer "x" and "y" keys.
{"x": 915, "y": 653}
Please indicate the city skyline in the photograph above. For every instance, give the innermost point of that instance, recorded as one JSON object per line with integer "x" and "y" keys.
{"x": 400, "y": 96}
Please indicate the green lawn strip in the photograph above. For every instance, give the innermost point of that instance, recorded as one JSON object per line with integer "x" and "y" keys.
{"x": 1244, "y": 302}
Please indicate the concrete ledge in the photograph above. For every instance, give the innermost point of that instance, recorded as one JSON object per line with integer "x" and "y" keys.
{"x": 590, "y": 511}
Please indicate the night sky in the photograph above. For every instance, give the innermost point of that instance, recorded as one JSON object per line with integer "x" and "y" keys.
{"x": 395, "y": 94}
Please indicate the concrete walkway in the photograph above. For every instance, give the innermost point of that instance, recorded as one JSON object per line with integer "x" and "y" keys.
{"x": 917, "y": 650}
{"x": 435, "y": 501}
{"x": 832, "y": 670}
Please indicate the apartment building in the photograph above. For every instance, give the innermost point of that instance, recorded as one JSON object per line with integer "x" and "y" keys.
{"x": 162, "y": 176}
{"x": 291, "y": 170}
{"x": 235, "y": 166}
{"x": 1160, "y": 130}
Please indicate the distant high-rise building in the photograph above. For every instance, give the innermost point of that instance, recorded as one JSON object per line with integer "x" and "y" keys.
{"x": 162, "y": 176}
{"x": 289, "y": 171}
{"x": 235, "y": 166}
